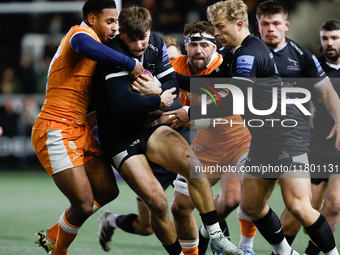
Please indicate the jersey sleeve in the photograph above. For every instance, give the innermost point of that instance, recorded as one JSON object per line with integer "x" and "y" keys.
{"x": 164, "y": 72}
{"x": 313, "y": 69}
{"x": 121, "y": 99}
{"x": 87, "y": 43}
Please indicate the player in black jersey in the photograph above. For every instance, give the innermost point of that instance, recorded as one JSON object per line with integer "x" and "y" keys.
{"x": 272, "y": 145}
{"x": 128, "y": 144}
{"x": 292, "y": 61}
{"x": 324, "y": 158}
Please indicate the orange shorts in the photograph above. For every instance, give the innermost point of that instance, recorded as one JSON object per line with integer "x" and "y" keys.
{"x": 223, "y": 153}
{"x": 60, "y": 146}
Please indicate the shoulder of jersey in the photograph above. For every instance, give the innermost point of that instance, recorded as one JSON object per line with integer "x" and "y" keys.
{"x": 88, "y": 30}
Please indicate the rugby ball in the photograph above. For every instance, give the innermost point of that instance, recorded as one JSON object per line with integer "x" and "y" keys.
{"x": 146, "y": 72}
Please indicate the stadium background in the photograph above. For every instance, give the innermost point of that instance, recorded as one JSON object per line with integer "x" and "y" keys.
{"x": 30, "y": 32}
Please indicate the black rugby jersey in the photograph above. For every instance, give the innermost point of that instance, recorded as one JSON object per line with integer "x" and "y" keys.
{"x": 295, "y": 64}
{"x": 253, "y": 65}
{"x": 322, "y": 121}
{"x": 119, "y": 110}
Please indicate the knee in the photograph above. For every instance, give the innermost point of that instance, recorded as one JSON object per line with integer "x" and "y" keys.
{"x": 82, "y": 211}
{"x": 297, "y": 209}
{"x": 332, "y": 206}
{"x": 180, "y": 209}
{"x": 224, "y": 208}
{"x": 158, "y": 207}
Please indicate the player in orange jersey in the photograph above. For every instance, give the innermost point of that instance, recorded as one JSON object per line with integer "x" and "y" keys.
{"x": 61, "y": 139}
{"x": 223, "y": 145}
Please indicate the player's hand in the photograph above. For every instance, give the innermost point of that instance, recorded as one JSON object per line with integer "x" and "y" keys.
{"x": 137, "y": 71}
{"x": 335, "y": 131}
{"x": 146, "y": 86}
{"x": 180, "y": 118}
{"x": 152, "y": 119}
{"x": 167, "y": 98}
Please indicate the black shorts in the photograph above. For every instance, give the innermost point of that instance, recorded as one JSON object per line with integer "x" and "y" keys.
{"x": 119, "y": 147}
{"x": 268, "y": 163}
{"x": 322, "y": 164}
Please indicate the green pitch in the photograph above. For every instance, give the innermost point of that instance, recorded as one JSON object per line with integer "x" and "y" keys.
{"x": 30, "y": 202}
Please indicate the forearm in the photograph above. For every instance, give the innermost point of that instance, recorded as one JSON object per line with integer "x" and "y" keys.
{"x": 90, "y": 48}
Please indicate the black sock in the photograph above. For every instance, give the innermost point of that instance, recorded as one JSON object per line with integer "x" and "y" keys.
{"x": 173, "y": 249}
{"x": 290, "y": 239}
{"x": 224, "y": 228}
{"x": 312, "y": 249}
{"x": 321, "y": 234}
{"x": 209, "y": 218}
{"x": 202, "y": 243}
{"x": 125, "y": 222}
{"x": 270, "y": 227}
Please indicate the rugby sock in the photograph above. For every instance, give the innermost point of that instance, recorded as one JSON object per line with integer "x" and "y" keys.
{"x": 312, "y": 249}
{"x": 203, "y": 240}
{"x": 290, "y": 239}
{"x": 66, "y": 235}
{"x": 271, "y": 229}
{"x": 210, "y": 220}
{"x": 53, "y": 232}
{"x": 174, "y": 249}
{"x": 225, "y": 229}
{"x": 189, "y": 247}
{"x": 321, "y": 234}
{"x": 124, "y": 222}
{"x": 248, "y": 229}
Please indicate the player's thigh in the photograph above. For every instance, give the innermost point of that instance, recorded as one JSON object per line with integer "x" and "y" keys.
{"x": 139, "y": 176}
{"x": 102, "y": 179}
{"x": 75, "y": 185}
{"x": 169, "y": 149}
{"x": 230, "y": 186}
{"x": 295, "y": 190}
{"x": 332, "y": 194}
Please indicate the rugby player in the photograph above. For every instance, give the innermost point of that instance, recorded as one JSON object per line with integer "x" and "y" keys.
{"x": 322, "y": 154}
{"x": 133, "y": 223}
{"x": 293, "y": 61}
{"x": 128, "y": 144}
{"x": 61, "y": 139}
{"x": 272, "y": 145}
{"x": 222, "y": 145}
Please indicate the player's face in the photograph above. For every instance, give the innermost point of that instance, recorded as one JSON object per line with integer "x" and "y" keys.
{"x": 273, "y": 30}
{"x": 173, "y": 52}
{"x": 199, "y": 54}
{"x": 105, "y": 24}
{"x": 227, "y": 32}
{"x": 137, "y": 46}
{"x": 330, "y": 42}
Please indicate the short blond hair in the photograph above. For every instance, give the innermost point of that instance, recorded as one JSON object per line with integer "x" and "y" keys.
{"x": 233, "y": 9}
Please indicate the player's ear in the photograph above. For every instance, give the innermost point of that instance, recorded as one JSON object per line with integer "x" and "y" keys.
{"x": 287, "y": 24}
{"x": 257, "y": 26}
{"x": 239, "y": 25}
{"x": 186, "y": 47}
{"x": 91, "y": 19}
{"x": 214, "y": 49}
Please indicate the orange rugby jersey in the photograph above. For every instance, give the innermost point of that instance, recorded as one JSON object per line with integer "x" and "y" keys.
{"x": 224, "y": 132}
{"x": 68, "y": 90}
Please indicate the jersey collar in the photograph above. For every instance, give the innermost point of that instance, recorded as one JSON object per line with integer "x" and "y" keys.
{"x": 336, "y": 67}
{"x": 281, "y": 48}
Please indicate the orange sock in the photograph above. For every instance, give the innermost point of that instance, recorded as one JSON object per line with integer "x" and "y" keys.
{"x": 189, "y": 247}
{"x": 193, "y": 251}
{"x": 248, "y": 228}
{"x": 67, "y": 233}
{"x": 53, "y": 232}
